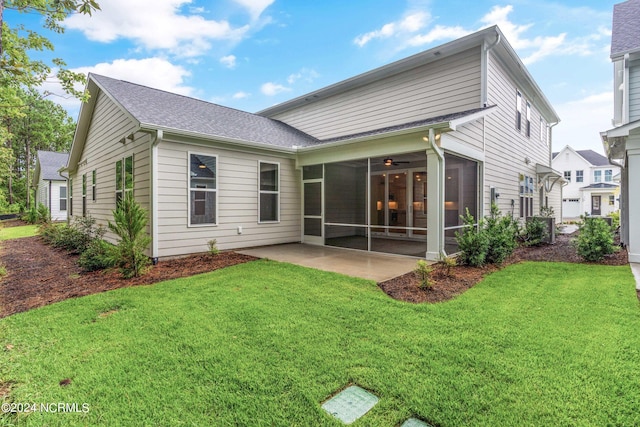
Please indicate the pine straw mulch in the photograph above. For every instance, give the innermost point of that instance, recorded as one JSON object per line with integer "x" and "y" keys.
{"x": 446, "y": 286}
{"x": 39, "y": 275}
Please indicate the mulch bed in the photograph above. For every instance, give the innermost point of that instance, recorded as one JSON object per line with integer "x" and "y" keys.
{"x": 39, "y": 274}
{"x": 446, "y": 286}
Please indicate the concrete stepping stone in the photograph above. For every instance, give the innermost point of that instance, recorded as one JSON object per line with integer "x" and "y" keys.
{"x": 350, "y": 404}
{"x": 414, "y": 422}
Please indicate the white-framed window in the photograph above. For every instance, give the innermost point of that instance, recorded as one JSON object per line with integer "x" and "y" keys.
{"x": 597, "y": 176}
{"x": 203, "y": 189}
{"x": 543, "y": 127}
{"x": 528, "y": 116}
{"x": 608, "y": 175}
{"x": 63, "y": 198}
{"x": 518, "y": 110}
{"x": 71, "y": 196}
{"x": 84, "y": 194}
{"x": 124, "y": 177}
{"x": 567, "y": 176}
{"x": 93, "y": 185}
{"x": 268, "y": 192}
{"x": 612, "y": 200}
{"x": 526, "y": 196}
{"x": 579, "y": 176}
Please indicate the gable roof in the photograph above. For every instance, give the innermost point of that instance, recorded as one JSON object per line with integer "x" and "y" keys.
{"x": 625, "y": 33}
{"x": 158, "y": 109}
{"x": 48, "y": 164}
{"x": 594, "y": 158}
{"x": 491, "y": 36}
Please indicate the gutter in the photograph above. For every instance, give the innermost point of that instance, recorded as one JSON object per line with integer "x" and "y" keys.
{"x": 157, "y": 138}
{"x": 440, "y": 154}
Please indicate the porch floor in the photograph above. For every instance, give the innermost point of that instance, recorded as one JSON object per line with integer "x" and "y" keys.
{"x": 368, "y": 265}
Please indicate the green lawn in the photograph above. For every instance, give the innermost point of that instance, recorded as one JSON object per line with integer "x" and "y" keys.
{"x": 265, "y": 343}
{"x": 8, "y": 233}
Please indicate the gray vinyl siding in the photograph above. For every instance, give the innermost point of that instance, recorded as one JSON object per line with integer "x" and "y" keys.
{"x": 440, "y": 87}
{"x": 101, "y": 151}
{"x": 506, "y": 148}
{"x": 237, "y": 189}
{"x": 634, "y": 91}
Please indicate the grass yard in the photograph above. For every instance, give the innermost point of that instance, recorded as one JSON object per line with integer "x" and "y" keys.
{"x": 7, "y": 233}
{"x": 265, "y": 343}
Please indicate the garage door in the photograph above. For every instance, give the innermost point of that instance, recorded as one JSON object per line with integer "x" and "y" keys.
{"x": 571, "y": 208}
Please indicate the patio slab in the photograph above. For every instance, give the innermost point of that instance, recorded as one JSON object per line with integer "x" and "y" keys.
{"x": 368, "y": 265}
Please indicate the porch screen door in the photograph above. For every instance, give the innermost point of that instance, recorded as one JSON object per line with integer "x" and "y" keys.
{"x": 312, "y": 212}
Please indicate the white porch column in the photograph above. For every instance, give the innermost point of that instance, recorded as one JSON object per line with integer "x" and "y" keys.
{"x": 633, "y": 202}
{"x": 435, "y": 200}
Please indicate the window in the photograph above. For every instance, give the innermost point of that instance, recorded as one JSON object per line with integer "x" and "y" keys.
{"x": 612, "y": 200}
{"x": 93, "y": 185}
{"x": 71, "y": 196}
{"x": 567, "y": 176}
{"x": 608, "y": 175}
{"x": 124, "y": 177}
{"x": 579, "y": 176}
{"x": 528, "y": 114}
{"x": 63, "y": 198}
{"x": 269, "y": 192}
{"x": 526, "y": 196}
{"x": 543, "y": 127}
{"x": 84, "y": 194}
{"x": 518, "y": 110}
{"x": 203, "y": 189}
{"x": 597, "y": 176}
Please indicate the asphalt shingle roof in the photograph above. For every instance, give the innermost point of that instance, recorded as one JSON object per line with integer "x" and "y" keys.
{"x": 600, "y": 185}
{"x": 50, "y": 163}
{"x": 594, "y": 158}
{"x": 625, "y": 34}
{"x": 156, "y": 107}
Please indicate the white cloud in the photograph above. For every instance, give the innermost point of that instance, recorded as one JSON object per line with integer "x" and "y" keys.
{"x": 154, "y": 24}
{"x": 582, "y": 121}
{"x": 305, "y": 74}
{"x": 228, "y": 61}
{"x": 241, "y": 95}
{"x": 255, "y": 7}
{"x": 439, "y": 32}
{"x": 271, "y": 89}
{"x": 411, "y": 23}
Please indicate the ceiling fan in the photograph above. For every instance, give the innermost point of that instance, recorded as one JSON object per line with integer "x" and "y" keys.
{"x": 389, "y": 162}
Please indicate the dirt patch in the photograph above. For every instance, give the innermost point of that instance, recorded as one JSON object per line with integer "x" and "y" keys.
{"x": 38, "y": 275}
{"x": 447, "y": 285}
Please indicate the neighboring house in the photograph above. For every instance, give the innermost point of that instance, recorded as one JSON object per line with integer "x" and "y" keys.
{"x": 51, "y": 188}
{"x": 385, "y": 161}
{"x": 622, "y": 143}
{"x": 590, "y": 183}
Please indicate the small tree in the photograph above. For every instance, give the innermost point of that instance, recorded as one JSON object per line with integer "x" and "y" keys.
{"x": 130, "y": 221}
{"x": 422, "y": 270}
{"x": 473, "y": 241}
{"x": 502, "y": 233}
{"x": 595, "y": 239}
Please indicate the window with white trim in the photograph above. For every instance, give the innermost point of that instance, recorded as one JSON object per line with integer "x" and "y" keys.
{"x": 63, "y": 198}
{"x": 203, "y": 189}
{"x": 84, "y": 194}
{"x": 608, "y": 175}
{"x": 518, "y": 110}
{"x": 579, "y": 176}
{"x": 528, "y": 116}
{"x": 93, "y": 185}
{"x": 567, "y": 176}
{"x": 269, "y": 192}
{"x": 612, "y": 200}
{"x": 597, "y": 176}
{"x": 124, "y": 177}
{"x": 526, "y": 196}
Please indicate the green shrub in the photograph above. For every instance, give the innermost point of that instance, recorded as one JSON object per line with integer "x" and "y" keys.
{"x": 502, "y": 233}
{"x": 535, "y": 232}
{"x": 130, "y": 222}
{"x": 473, "y": 242}
{"x": 37, "y": 215}
{"x": 615, "y": 219}
{"x": 448, "y": 263}
{"x": 31, "y": 216}
{"x": 99, "y": 255}
{"x": 213, "y": 247}
{"x": 422, "y": 270}
{"x": 595, "y": 239}
{"x": 74, "y": 238}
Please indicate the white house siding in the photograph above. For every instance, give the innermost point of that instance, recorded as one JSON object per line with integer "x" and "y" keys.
{"x": 634, "y": 91}
{"x": 445, "y": 86}
{"x": 510, "y": 152}
{"x": 237, "y": 201}
{"x": 101, "y": 151}
{"x": 42, "y": 195}
{"x": 56, "y": 213}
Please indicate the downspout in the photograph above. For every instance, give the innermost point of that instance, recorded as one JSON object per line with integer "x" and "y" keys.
{"x": 154, "y": 194}
{"x": 50, "y": 188}
{"x": 440, "y": 154}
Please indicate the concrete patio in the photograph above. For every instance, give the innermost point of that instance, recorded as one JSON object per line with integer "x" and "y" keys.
{"x": 368, "y": 265}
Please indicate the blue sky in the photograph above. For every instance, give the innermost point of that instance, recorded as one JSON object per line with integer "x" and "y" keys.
{"x": 251, "y": 54}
